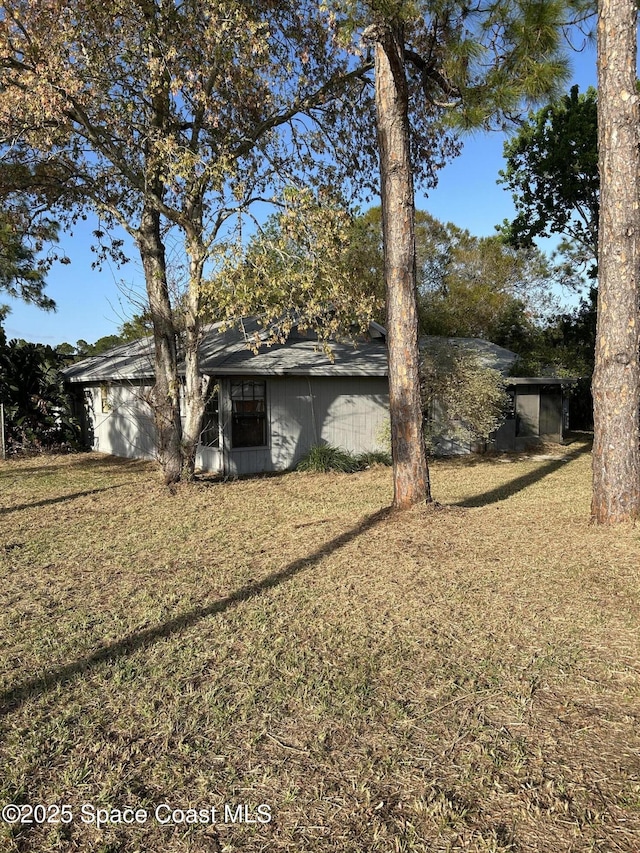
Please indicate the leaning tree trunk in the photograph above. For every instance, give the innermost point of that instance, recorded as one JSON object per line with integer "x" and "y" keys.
{"x": 410, "y": 468}
{"x": 166, "y": 400}
{"x": 616, "y": 380}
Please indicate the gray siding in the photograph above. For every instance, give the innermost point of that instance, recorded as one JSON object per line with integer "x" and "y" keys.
{"x": 127, "y": 428}
{"x": 540, "y": 411}
{"x": 351, "y": 413}
{"x": 347, "y": 412}
{"x": 209, "y": 459}
{"x": 551, "y": 410}
{"x": 528, "y": 411}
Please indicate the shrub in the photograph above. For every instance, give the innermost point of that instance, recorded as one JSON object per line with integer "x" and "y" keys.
{"x": 38, "y": 412}
{"x": 462, "y": 399}
{"x": 373, "y": 457}
{"x": 323, "y": 457}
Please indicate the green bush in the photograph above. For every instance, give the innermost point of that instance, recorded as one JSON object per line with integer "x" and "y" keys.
{"x": 37, "y": 408}
{"x": 373, "y": 457}
{"x": 464, "y": 401}
{"x": 323, "y": 457}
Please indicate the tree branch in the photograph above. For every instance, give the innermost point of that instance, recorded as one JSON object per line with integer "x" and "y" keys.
{"x": 309, "y": 102}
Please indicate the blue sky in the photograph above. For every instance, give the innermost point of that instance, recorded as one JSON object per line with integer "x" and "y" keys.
{"x": 91, "y": 303}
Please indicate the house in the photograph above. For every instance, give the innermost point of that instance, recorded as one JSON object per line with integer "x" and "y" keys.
{"x": 268, "y": 408}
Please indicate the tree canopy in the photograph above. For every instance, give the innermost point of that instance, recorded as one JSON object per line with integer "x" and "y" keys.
{"x": 180, "y": 115}
{"x": 165, "y": 115}
{"x": 38, "y": 411}
{"x": 22, "y": 269}
{"x": 467, "y": 286}
{"x": 300, "y": 268}
{"x": 552, "y": 170}
{"x": 463, "y": 400}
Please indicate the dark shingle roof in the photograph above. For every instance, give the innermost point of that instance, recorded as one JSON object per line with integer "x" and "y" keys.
{"x": 229, "y": 353}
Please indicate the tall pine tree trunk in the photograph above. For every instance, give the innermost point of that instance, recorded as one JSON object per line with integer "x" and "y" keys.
{"x": 616, "y": 380}
{"x": 410, "y": 468}
{"x": 166, "y": 392}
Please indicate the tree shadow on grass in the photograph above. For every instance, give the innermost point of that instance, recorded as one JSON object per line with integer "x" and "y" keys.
{"x": 90, "y": 459}
{"x": 9, "y": 473}
{"x": 13, "y": 698}
{"x": 101, "y": 461}
{"x": 61, "y": 499}
{"x": 506, "y": 490}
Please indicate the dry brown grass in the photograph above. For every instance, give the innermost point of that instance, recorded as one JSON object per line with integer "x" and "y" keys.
{"x": 454, "y": 679}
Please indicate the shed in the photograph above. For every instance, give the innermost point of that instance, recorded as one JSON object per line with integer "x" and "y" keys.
{"x": 539, "y": 410}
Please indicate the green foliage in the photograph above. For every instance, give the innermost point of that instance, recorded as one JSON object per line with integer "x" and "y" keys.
{"x": 480, "y": 287}
{"x": 297, "y": 270}
{"x": 473, "y": 67}
{"x": 565, "y": 346}
{"x": 38, "y": 414}
{"x": 83, "y": 349}
{"x": 467, "y": 286}
{"x": 552, "y": 170}
{"x": 22, "y": 276}
{"x": 139, "y": 326}
{"x": 373, "y": 457}
{"x": 575, "y": 333}
{"x": 463, "y": 400}
{"x": 322, "y": 458}
{"x": 499, "y": 56}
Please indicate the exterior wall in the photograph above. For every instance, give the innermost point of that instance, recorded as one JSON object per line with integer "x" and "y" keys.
{"x": 551, "y": 413}
{"x": 504, "y": 438}
{"x": 209, "y": 459}
{"x": 352, "y": 412}
{"x": 539, "y": 411}
{"x": 443, "y": 434}
{"x": 347, "y": 412}
{"x": 527, "y": 406}
{"x": 127, "y": 428}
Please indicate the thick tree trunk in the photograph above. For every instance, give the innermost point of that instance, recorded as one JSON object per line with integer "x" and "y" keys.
{"x": 166, "y": 392}
{"x": 196, "y": 385}
{"x": 410, "y": 468}
{"x": 616, "y": 380}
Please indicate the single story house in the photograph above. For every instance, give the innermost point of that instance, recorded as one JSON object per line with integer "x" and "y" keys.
{"x": 267, "y": 409}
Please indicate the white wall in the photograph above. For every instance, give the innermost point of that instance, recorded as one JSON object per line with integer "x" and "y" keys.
{"x": 127, "y": 428}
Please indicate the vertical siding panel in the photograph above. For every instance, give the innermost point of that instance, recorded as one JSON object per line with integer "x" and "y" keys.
{"x": 301, "y": 411}
{"x": 355, "y": 410}
{"x": 291, "y": 427}
{"x": 127, "y": 429}
{"x": 528, "y": 410}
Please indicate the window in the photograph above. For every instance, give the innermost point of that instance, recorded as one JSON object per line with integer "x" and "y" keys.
{"x": 248, "y": 414}
{"x": 105, "y": 403}
{"x": 210, "y": 435}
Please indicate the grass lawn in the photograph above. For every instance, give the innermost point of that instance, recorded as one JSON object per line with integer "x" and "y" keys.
{"x": 457, "y": 679}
